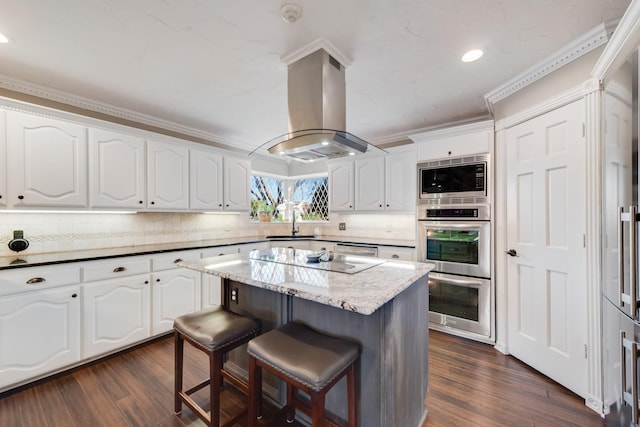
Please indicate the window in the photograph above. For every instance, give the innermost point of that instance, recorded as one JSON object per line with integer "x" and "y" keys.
{"x": 272, "y": 199}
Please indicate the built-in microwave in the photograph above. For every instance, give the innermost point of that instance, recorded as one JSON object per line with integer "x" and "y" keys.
{"x": 454, "y": 179}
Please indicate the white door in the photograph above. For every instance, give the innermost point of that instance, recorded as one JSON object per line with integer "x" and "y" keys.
{"x": 47, "y": 162}
{"x": 117, "y": 170}
{"x": 369, "y": 184}
{"x": 341, "y": 186}
{"x": 167, "y": 176}
{"x": 40, "y": 333}
{"x": 237, "y": 173}
{"x": 116, "y": 313}
{"x": 3, "y": 159}
{"x": 205, "y": 183}
{"x": 547, "y": 295}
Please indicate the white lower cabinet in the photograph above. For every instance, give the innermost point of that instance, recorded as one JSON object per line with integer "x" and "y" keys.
{"x": 212, "y": 285}
{"x": 116, "y": 313}
{"x": 39, "y": 332}
{"x": 407, "y": 254}
{"x": 174, "y": 293}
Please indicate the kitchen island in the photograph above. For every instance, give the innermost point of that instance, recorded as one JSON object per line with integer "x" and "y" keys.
{"x": 381, "y": 304}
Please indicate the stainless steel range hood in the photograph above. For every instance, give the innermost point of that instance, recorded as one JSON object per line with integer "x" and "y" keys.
{"x": 317, "y": 112}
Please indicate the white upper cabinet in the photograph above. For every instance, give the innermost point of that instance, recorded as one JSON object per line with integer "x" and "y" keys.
{"x": 341, "y": 188}
{"x": 47, "y": 162}
{"x": 457, "y": 141}
{"x": 167, "y": 176}
{"x": 117, "y": 170}
{"x": 400, "y": 181}
{"x": 369, "y": 184}
{"x": 237, "y": 175}
{"x": 205, "y": 180}
{"x": 3, "y": 159}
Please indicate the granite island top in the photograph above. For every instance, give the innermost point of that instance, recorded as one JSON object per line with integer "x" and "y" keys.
{"x": 286, "y": 271}
{"x": 31, "y": 260}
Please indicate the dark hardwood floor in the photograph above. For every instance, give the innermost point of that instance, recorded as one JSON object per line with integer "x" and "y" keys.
{"x": 471, "y": 384}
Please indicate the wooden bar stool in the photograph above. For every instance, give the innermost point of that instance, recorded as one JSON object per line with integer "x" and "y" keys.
{"x": 305, "y": 360}
{"x": 215, "y": 331}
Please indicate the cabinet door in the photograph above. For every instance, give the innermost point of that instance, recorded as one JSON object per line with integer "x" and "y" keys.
{"x": 341, "y": 186}
{"x": 174, "y": 293}
{"x": 167, "y": 176}
{"x": 115, "y": 313}
{"x": 369, "y": 184}
{"x": 400, "y": 182}
{"x": 117, "y": 170}
{"x": 47, "y": 162}
{"x": 205, "y": 183}
{"x": 212, "y": 285}
{"x": 3, "y": 159}
{"x": 237, "y": 174}
{"x": 40, "y": 333}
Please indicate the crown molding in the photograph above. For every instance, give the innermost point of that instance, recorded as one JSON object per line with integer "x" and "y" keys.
{"x": 569, "y": 53}
{"x": 486, "y": 125}
{"x": 61, "y": 97}
{"x": 624, "y": 41}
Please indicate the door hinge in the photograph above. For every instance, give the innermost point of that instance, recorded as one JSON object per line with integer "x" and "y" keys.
{"x": 584, "y": 130}
{"x": 586, "y": 352}
{"x": 584, "y": 240}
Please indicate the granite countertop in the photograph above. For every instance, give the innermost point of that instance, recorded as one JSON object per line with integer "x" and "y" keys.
{"x": 363, "y": 292}
{"x": 27, "y": 260}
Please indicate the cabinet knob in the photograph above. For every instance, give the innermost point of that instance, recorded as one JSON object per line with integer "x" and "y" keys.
{"x": 35, "y": 280}
{"x": 0, "y": 196}
{"x": 395, "y": 256}
{"x": 387, "y": 204}
{"x": 220, "y": 205}
{"x": 141, "y": 202}
{"x": 177, "y": 260}
{"x": 146, "y": 282}
{"x": 119, "y": 269}
{"x": 381, "y": 205}
{"x": 153, "y": 203}
{"x": 74, "y": 295}
{"x": 227, "y": 204}
{"x": 21, "y": 197}
{"x": 157, "y": 280}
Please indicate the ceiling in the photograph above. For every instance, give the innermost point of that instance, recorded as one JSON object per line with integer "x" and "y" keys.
{"x": 215, "y": 66}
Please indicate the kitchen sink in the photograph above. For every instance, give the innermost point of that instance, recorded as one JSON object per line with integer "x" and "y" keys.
{"x": 289, "y": 236}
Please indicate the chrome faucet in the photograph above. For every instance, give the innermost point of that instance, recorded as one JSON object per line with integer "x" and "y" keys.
{"x": 293, "y": 221}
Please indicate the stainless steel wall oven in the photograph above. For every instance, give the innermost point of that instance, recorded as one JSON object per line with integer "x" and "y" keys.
{"x": 457, "y": 239}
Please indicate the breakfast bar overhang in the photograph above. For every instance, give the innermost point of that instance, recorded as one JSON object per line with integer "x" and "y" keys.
{"x": 381, "y": 304}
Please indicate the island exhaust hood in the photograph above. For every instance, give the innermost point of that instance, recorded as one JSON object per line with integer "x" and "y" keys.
{"x": 317, "y": 112}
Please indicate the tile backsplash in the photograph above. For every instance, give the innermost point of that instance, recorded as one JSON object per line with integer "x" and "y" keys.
{"x": 56, "y": 232}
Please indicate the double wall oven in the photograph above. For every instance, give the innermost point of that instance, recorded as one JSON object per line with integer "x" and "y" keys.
{"x": 455, "y": 234}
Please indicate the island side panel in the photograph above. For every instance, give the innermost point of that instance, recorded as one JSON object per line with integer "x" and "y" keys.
{"x": 367, "y": 330}
{"x": 394, "y": 361}
{"x": 406, "y": 363}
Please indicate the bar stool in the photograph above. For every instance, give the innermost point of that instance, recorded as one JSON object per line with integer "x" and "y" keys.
{"x": 215, "y": 331}
{"x": 305, "y": 360}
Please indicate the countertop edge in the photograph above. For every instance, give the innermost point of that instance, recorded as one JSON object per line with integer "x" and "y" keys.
{"x": 53, "y": 258}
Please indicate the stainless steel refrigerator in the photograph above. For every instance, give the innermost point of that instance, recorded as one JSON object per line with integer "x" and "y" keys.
{"x": 620, "y": 289}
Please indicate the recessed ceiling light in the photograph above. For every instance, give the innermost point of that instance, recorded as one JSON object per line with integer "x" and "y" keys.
{"x": 472, "y": 55}
{"x": 3, "y": 38}
{"x": 324, "y": 143}
{"x": 351, "y": 153}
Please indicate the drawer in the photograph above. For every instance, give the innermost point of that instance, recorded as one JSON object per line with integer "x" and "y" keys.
{"x": 115, "y": 267}
{"x": 219, "y": 250}
{"x": 35, "y": 278}
{"x": 168, "y": 260}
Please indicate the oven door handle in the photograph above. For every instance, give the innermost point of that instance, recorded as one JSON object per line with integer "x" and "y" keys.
{"x": 460, "y": 282}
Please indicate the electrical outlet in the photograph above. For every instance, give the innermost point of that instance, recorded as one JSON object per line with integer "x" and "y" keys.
{"x": 234, "y": 295}
{"x": 342, "y": 226}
